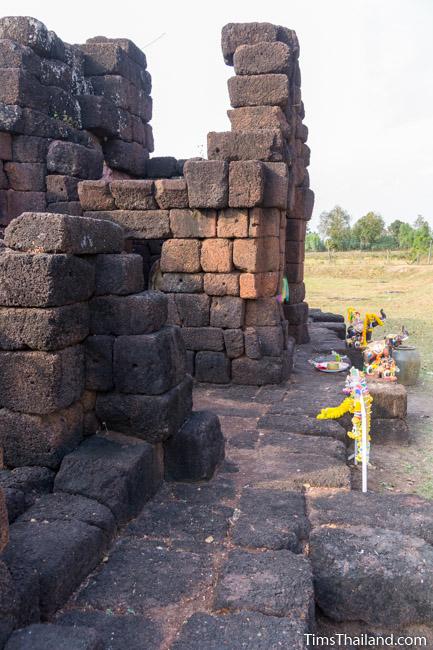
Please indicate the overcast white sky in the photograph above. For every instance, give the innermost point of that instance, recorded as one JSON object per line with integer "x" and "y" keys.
{"x": 367, "y": 84}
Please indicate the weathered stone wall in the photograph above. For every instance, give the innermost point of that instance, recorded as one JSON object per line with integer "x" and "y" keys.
{"x": 64, "y": 111}
{"x": 82, "y": 346}
{"x": 233, "y": 226}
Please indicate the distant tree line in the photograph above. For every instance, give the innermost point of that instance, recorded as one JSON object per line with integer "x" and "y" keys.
{"x": 336, "y": 233}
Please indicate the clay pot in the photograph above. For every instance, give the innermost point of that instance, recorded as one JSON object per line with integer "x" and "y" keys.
{"x": 408, "y": 360}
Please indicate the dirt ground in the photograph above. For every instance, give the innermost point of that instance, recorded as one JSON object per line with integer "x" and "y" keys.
{"x": 405, "y": 292}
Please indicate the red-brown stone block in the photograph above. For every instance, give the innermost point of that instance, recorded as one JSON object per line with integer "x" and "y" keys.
{"x": 95, "y": 195}
{"x": 180, "y": 256}
{"x": 252, "y": 118}
{"x": 61, "y": 187}
{"x": 262, "y": 58}
{"x": 193, "y": 223}
{"x": 233, "y": 223}
{"x": 26, "y": 177}
{"x": 264, "y": 144}
{"x": 5, "y": 146}
{"x": 133, "y": 194}
{"x": 235, "y": 34}
{"x": 294, "y": 272}
{"x": 171, "y": 193}
{"x": 246, "y": 184}
{"x": 276, "y": 185}
{"x": 264, "y": 222}
{"x": 256, "y": 255}
{"x": 217, "y": 256}
{"x": 262, "y": 312}
{"x": 295, "y": 252}
{"x": 137, "y": 224}
{"x": 207, "y": 182}
{"x": 258, "y": 285}
{"x": 259, "y": 90}
{"x": 296, "y": 229}
{"x": 221, "y": 284}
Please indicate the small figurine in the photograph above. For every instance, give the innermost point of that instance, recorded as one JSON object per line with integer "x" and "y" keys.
{"x": 359, "y": 331}
{"x": 378, "y": 361}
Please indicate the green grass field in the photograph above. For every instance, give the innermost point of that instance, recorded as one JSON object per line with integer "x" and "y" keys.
{"x": 369, "y": 281}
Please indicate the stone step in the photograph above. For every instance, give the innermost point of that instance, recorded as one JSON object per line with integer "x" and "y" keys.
{"x": 374, "y": 575}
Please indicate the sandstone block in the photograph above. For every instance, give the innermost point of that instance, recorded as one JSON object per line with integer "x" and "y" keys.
{"x": 207, "y": 182}
{"x": 74, "y": 159}
{"x": 161, "y": 167}
{"x": 120, "y": 473}
{"x": 264, "y": 222}
{"x": 196, "y": 450}
{"x": 138, "y": 224}
{"x": 262, "y": 58}
{"x": 26, "y": 177}
{"x": 263, "y": 144}
{"x": 258, "y": 372}
{"x": 192, "y": 309}
{"x": 73, "y": 208}
{"x": 296, "y": 293}
{"x": 98, "y": 351}
{"x": 40, "y": 439}
{"x": 193, "y": 223}
{"x": 43, "y": 329}
{"x": 95, "y": 195}
{"x": 150, "y": 417}
{"x": 227, "y": 312}
{"x": 130, "y": 48}
{"x": 232, "y": 223}
{"x": 294, "y": 272}
{"x": 389, "y": 399}
{"x": 216, "y": 255}
{"x": 252, "y": 118}
{"x": 182, "y": 283}
{"x": 296, "y": 314}
{"x": 246, "y": 184}
{"x": 296, "y": 229}
{"x": 29, "y": 149}
{"x": 180, "y": 256}
{"x": 133, "y": 194}
{"x": 256, "y": 255}
{"x": 43, "y": 280}
{"x": 262, "y": 312}
{"x": 276, "y": 185}
{"x": 100, "y": 116}
{"x": 235, "y": 34}
{"x": 263, "y": 342}
{"x": 203, "y": 338}
{"x": 129, "y": 157}
{"x": 41, "y": 382}
{"x": 258, "y": 285}
{"x": 61, "y": 188}
{"x": 139, "y": 313}
{"x": 6, "y": 146}
{"x": 4, "y": 523}
{"x": 118, "y": 274}
{"x": 295, "y": 252}
{"x": 58, "y": 233}
{"x": 30, "y": 32}
{"x": 171, "y": 193}
{"x": 302, "y": 203}
{"x": 19, "y": 87}
{"x": 259, "y": 90}
{"x": 221, "y": 284}
{"x": 150, "y": 364}
{"x": 212, "y": 367}
{"x": 234, "y": 343}
{"x": 19, "y": 202}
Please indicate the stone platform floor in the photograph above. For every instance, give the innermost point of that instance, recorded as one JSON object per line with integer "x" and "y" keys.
{"x": 275, "y": 546}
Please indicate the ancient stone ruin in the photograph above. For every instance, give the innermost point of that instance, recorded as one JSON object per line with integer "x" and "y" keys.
{"x": 226, "y": 230}
{"x": 128, "y": 518}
